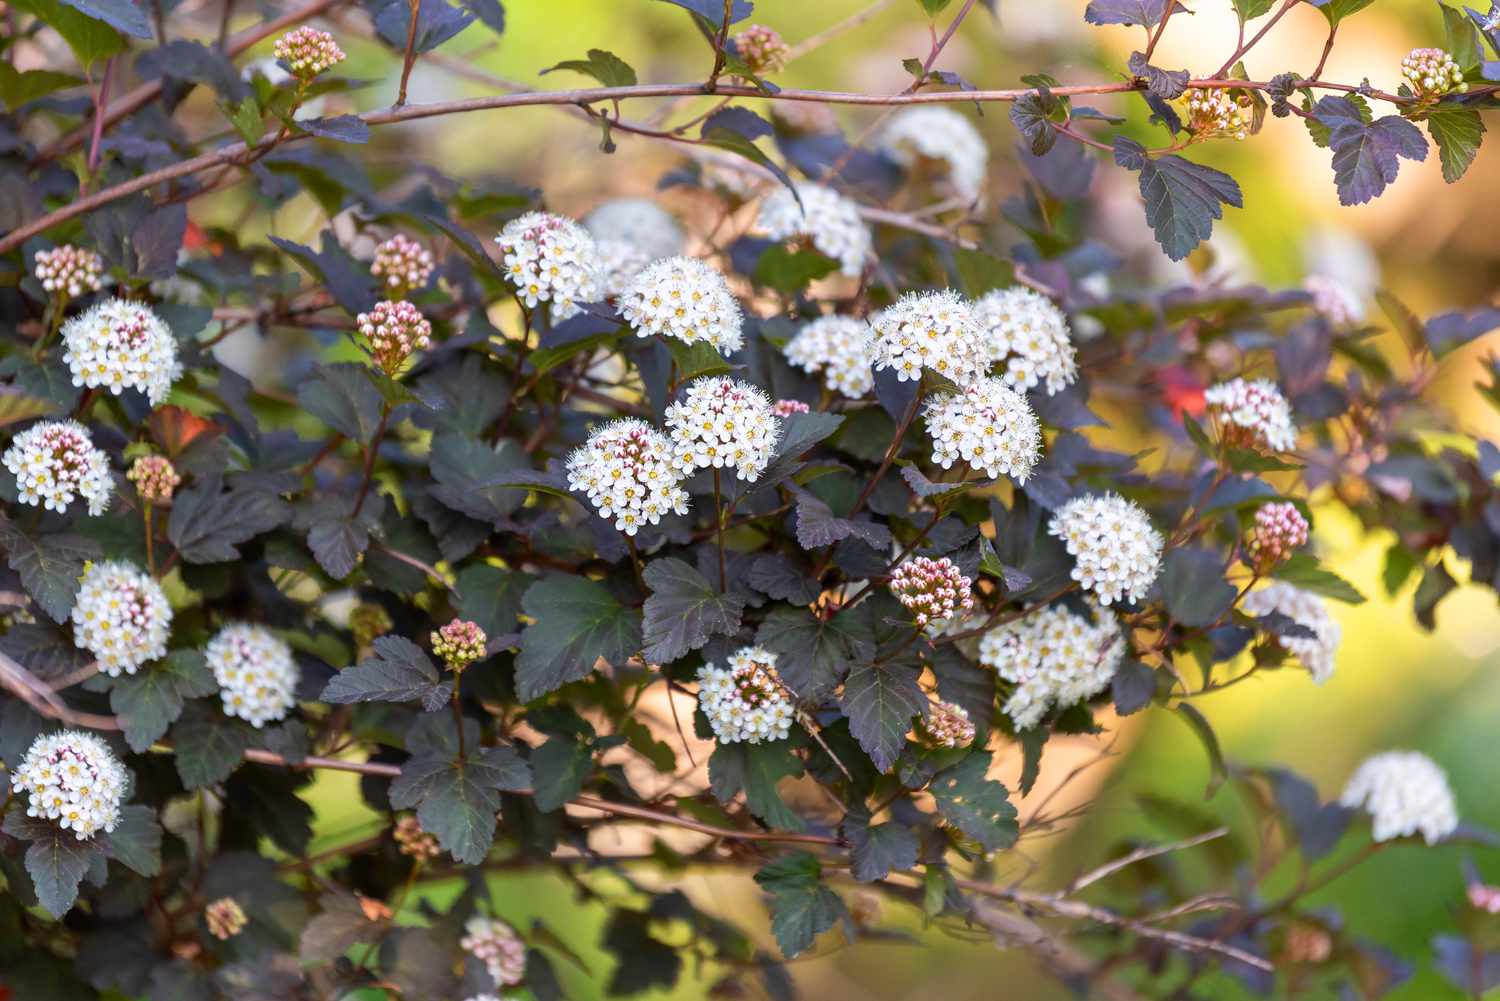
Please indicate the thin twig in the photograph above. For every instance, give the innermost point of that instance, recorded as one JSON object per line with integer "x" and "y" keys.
{"x": 1145, "y": 852}
{"x": 410, "y": 58}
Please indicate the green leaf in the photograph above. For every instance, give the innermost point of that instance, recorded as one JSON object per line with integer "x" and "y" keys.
{"x": 492, "y": 597}
{"x": 802, "y": 908}
{"x": 1437, "y": 583}
{"x": 980, "y": 271}
{"x": 474, "y": 478}
{"x": 343, "y": 397}
{"x": 208, "y": 523}
{"x": 684, "y": 611}
{"x": 208, "y": 748}
{"x": 696, "y": 360}
{"x": 247, "y": 118}
{"x": 545, "y": 359}
{"x": 1457, "y": 132}
{"x": 791, "y": 271}
{"x": 1183, "y": 198}
{"x": 645, "y": 962}
{"x": 396, "y": 671}
{"x": 458, "y": 799}
{"x": 1133, "y": 687}
{"x": 1031, "y": 115}
{"x": 49, "y": 565}
{"x": 1337, "y": 10}
{"x": 881, "y": 700}
{"x": 877, "y": 850}
{"x": 1195, "y": 720}
{"x": 604, "y": 66}
{"x": 91, "y": 40}
{"x": 1194, "y": 587}
{"x": 1305, "y": 572}
{"x": 934, "y": 7}
{"x": 149, "y": 701}
{"x": 136, "y": 840}
{"x": 756, "y": 769}
{"x": 815, "y": 652}
{"x": 16, "y": 88}
{"x": 561, "y": 766}
{"x": 1463, "y": 41}
{"x": 577, "y": 622}
{"x": 978, "y": 806}
{"x": 1249, "y": 10}
{"x": 341, "y": 923}
{"x": 56, "y": 860}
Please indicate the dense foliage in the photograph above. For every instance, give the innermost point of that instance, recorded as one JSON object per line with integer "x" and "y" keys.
{"x": 835, "y": 487}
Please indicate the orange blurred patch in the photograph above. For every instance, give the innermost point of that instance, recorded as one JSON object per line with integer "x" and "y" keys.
{"x": 1182, "y": 391}
{"x": 175, "y": 429}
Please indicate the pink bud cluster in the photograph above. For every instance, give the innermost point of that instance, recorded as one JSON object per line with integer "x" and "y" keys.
{"x": 402, "y": 264}
{"x": 762, "y": 49}
{"x": 394, "y": 331}
{"x": 155, "y": 478}
{"x": 934, "y": 590}
{"x": 1279, "y": 528}
{"x": 225, "y": 918}
{"x": 308, "y": 52}
{"x": 459, "y": 643}
{"x": 786, "y": 408}
{"x": 947, "y": 725}
{"x": 413, "y": 841}
{"x": 496, "y": 944}
{"x": 68, "y": 271}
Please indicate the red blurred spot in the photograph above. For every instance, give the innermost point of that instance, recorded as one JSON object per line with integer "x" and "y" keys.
{"x": 1181, "y": 390}
{"x": 175, "y": 429}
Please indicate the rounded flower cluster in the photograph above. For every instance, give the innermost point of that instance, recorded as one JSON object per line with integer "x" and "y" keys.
{"x": 842, "y": 348}
{"x": 989, "y": 426}
{"x": 1116, "y": 553}
{"x": 496, "y": 944}
{"x": 1331, "y": 298}
{"x": 786, "y": 408}
{"x": 630, "y": 233}
{"x": 1054, "y": 657}
{"x": 394, "y": 331}
{"x": 831, "y": 221}
{"x": 459, "y": 644}
{"x": 946, "y": 725}
{"x": 934, "y": 591}
{"x": 1215, "y": 112}
{"x": 1484, "y": 897}
{"x": 745, "y": 700}
{"x": 1432, "y": 72}
{"x": 1252, "y": 413}
{"x": 55, "y": 463}
{"x": 414, "y": 842}
{"x": 403, "y": 265}
{"x": 761, "y": 48}
{"x": 306, "y": 51}
{"x": 1030, "y": 336}
{"x": 1405, "y": 793}
{"x": 122, "y": 617}
{"x": 550, "y": 258}
{"x": 74, "y": 779}
{"x": 935, "y": 331}
{"x": 155, "y": 478}
{"x": 256, "y": 673}
{"x": 225, "y": 918}
{"x": 929, "y": 134}
{"x": 68, "y": 271}
{"x": 626, "y": 469}
{"x": 118, "y": 345}
{"x": 1319, "y": 652}
{"x": 721, "y": 423}
{"x": 1279, "y": 528}
{"x": 684, "y": 298}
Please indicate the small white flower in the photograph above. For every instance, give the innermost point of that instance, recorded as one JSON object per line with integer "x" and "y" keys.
{"x": 122, "y": 617}
{"x": 74, "y": 779}
{"x": 1250, "y": 413}
{"x": 721, "y": 423}
{"x": 55, "y": 463}
{"x": 935, "y": 331}
{"x": 256, "y": 673}
{"x": 496, "y": 944}
{"x": 1405, "y": 792}
{"x": 684, "y": 298}
{"x": 989, "y": 426}
{"x": 1054, "y": 658}
{"x": 1030, "y": 336}
{"x": 628, "y": 473}
{"x": 939, "y": 135}
{"x": 831, "y": 221}
{"x": 746, "y": 701}
{"x": 1214, "y": 113}
{"x": 550, "y": 258}
{"x": 842, "y": 348}
{"x": 630, "y": 233}
{"x": 71, "y": 271}
{"x": 1318, "y": 653}
{"x": 1116, "y": 553}
{"x": 120, "y": 344}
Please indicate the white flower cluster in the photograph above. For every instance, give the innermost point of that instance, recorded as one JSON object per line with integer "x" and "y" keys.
{"x": 929, "y": 330}
{"x": 1333, "y": 300}
{"x": 402, "y": 264}
{"x": 722, "y": 423}
{"x": 74, "y": 779}
{"x": 746, "y": 701}
{"x": 1214, "y": 112}
{"x": 989, "y": 426}
{"x": 496, "y": 944}
{"x": 68, "y": 270}
{"x": 627, "y": 470}
{"x": 939, "y": 135}
{"x": 1405, "y": 792}
{"x": 842, "y": 348}
{"x": 1116, "y": 553}
{"x": 308, "y": 52}
{"x": 933, "y": 590}
{"x": 684, "y": 298}
{"x": 630, "y": 233}
{"x": 946, "y": 725}
{"x": 55, "y": 463}
{"x": 1253, "y": 412}
{"x": 550, "y": 258}
{"x": 831, "y": 221}
{"x": 1030, "y": 336}
{"x": 1054, "y": 657}
{"x": 1432, "y": 72}
{"x": 122, "y": 617}
{"x": 119, "y": 344}
{"x": 255, "y": 670}
{"x": 1319, "y": 652}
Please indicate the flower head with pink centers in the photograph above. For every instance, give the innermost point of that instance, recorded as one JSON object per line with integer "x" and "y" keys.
{"x": 119, "y": 345}
{"x": 722, "y": 423}
{"x": 824, "y": 217}
{"x": 1334, "y": 300}
{"x": 1053, "y": 657}
{"x": 155, "y": 478}
{"x": 842, "y": 348}
{"x": 1252, "y": 413}
{"x": 933, "y": 590}
{"x": 746, "y": 700}
{"x": 55, "y": 463}
{"x": 1318, "y": 652}
{"x": 1432, "y": 73}
{"x": 1030, "y": 337}
{"x": 306, "y": 52}
{"x": 1116, "y": 553}
{"x": 762, "y": 49}
{"x": 68, "y": 271}
{"x": 627, "y": 471}
{"x": 786, "y": 408}
{"x": 496, "y": 944}
{"x": 930, "y": 332}
{"x": 946, "y": 725}
{"x": 459, "y": 643}
{"x": 1405, "y": 793}
{"x": 74, "y": 779}
{"x": 685, "y": 299}
{"x": 256, "y": 672}
{"x": 403, "y": 265}
{"x": 395, "y": 331}
{"x": 550, "y": 258}
{"x": 988, "y": 426}
{"x": 122, "y": 617}
{"x": 1279, "y": 528}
